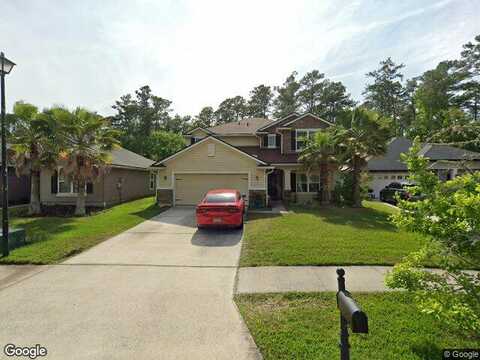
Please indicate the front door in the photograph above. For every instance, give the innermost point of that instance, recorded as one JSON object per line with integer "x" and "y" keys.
{"x": 275, "y": 185}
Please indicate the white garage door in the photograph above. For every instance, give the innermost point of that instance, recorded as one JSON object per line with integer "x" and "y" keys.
{"x": 191, "y": 188}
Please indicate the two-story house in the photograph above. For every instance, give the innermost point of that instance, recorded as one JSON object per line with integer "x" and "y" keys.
{"x": 257, "y": 156}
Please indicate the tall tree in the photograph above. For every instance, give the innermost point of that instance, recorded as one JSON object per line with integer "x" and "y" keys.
{"x": 386, "y": 94}
{"x": 231, "y": 109}
{"x": 468, "y": 69}
{"x": 260, "y": 101}
{"x": 334, "y": 100}
{"x": 205, "y": 118}
{"x": 178, "y": 124}
{"x": 138, "y": 116}
{"x": 162, "y": 144}
{"x": 88, "y": 142}
{"x": 365, "y": 134}
{"x": 36, "y": 145}
{"x": 319, "y": 154}
{"x": 286, "y": 101}
{"x": 312, "y": 85}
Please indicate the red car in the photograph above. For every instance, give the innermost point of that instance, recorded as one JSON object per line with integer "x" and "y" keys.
{"x": 221, "y": 207}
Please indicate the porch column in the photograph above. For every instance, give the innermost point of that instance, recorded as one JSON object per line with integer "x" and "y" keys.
{"x": 286, "y": 180}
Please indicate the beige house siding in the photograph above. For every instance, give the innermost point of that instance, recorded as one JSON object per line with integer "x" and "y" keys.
{"x": 225, "y": 160}
{"x": 105, "y": 192}
{"x": 241, "y": 140}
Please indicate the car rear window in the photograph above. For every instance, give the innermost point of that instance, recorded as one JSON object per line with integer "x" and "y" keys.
{"x": 220, "y": 198}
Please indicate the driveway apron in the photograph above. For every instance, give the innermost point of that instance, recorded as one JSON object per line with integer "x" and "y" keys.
{"x": 161, "y": 290}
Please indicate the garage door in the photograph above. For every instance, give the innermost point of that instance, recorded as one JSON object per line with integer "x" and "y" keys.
{"x": 191, "y": 188}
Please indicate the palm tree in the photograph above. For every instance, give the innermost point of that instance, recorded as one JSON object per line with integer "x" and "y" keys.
{"x": 363, "y": 135}
{"x": 35, "y": 146}
{"x": 88, "y": 140}
{"x": 319, "y": 153}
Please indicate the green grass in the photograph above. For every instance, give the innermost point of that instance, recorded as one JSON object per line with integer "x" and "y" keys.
{"x": 52, "y": 239}
{"x": 327, "y": 236}
{"x": 306, "y": 326}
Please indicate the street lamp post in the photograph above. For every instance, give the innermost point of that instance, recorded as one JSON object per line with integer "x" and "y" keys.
{"x": 5, "y": 67}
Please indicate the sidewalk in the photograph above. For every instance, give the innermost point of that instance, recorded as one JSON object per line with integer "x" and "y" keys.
{"x": 310, "y": 278}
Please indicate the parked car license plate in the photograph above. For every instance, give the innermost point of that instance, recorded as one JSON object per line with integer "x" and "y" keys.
{"x": 217, "y": 220}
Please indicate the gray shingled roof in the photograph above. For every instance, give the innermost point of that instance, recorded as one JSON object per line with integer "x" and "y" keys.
{"x": 245, "y": 126}
{"x": 391, "y": 160}
{"x": 124, "y": 157}
{"x": 447, "y": 152}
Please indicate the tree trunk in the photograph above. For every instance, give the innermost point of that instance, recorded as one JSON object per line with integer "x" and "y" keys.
{"x": 80, "y": 207}
{"x": 357, "y": 201}
{"x": 325, "y": 195}
{"x": 34, "y": 207}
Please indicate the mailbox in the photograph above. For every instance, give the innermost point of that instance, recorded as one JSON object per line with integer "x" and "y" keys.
{"x": 350, "y": 314}
{"x": 349, "y": 309}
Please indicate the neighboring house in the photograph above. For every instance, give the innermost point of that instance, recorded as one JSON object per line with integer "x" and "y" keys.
{"x": 129, "y": 176}
{"x": 18, "y": 186}
{"x": 257, "y": 156}
{"x": 446, "y": 160}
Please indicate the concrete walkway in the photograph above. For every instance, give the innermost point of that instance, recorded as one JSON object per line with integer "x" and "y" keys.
{"x": 310, "y": 278}
{"x": 161, "y": 290}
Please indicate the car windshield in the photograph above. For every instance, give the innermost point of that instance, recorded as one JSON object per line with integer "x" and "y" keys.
{"x": 220, "y": 198}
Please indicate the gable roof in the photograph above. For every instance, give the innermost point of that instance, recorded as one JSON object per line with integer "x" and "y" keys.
{"x": 391, "y": 160}
{"x": 126, "y": 158}
{"x": 198, "y": 128}
{"x": 305, "y": 115}
{"x": 190, "y": 147}
{"x": 248, "y": 126}
{"x": 280, "y": 121}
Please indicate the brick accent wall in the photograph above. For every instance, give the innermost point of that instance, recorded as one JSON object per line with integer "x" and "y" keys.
{"x": 165, "y": 197}
{"x": 257, "y": 199}
{"x": 286, "y": 141}
{"x": 309, "y": 122}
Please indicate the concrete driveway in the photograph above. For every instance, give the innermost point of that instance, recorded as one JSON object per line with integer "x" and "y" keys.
{"x": 162, "y": 290}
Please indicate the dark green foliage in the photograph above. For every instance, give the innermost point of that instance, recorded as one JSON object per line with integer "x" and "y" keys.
{"x": 205, "y": 118}
{"x": 287, "y": 100}
{"x": 386, "y": 93}
{"x": 162, "y": 144}
{"x": 139, "y": 117}
{"x": 260, "y": 102}
{"x": 343, "y": 194}
{"x": 231, "y": 109}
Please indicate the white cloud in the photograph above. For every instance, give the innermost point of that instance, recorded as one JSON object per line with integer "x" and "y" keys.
{"x": 197, "y": 53}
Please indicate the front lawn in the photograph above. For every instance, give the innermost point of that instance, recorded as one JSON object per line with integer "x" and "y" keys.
{"x": 327, "y": 236}
{"x": 52, "y": 239}
{"x": 306, "y": 326}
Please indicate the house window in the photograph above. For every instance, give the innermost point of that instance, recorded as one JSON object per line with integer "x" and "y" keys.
{"x": 310, "y": 183}
{"x": 399, "y": 177}
{"x": 272, "y": 141}
{"x": 313, "y": 183}
{"x": 302, "y": 183}
{"x": 194, "y": 140}
{"x": 65, "y": 184}
{"x": 301, "y": 136}
{"x": 153, "y": 179}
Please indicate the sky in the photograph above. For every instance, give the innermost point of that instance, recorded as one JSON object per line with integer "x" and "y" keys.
{"x": 197, "y": 53}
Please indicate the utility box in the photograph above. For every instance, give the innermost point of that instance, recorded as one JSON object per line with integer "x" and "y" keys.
{"x": 16, "y": 238}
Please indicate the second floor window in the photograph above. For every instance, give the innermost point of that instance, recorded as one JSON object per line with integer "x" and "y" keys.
{"x": 272, "y": 141}
{"x": 301, "y": 136}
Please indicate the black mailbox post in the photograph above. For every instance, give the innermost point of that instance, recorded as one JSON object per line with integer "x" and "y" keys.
{"x": 350, "y": 314}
